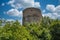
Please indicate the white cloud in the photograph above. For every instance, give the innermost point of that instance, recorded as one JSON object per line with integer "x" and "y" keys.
{"x": 10, "y": 20}
{"x": 20, "y": 21}
{"x": 23, "y": 3}
{"x": 14, "y": 20}
{"x": 44, "y": 11}
{"x": 57, "y": 9}
{"x": 49, "y": 15}
{"x": 54, "y": 11}
{"x": 50, "y": 8}
{"x": 14, "y": 12}
{"x": 2, "y": 4}
{"x": 37, "y": 4}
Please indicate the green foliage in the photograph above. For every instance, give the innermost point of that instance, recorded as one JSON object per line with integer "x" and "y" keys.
{"x": 46, "y": 29}
{"x": 55, "y": 30}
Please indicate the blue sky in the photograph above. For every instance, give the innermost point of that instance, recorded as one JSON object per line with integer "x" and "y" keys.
{"x": 12, "y": 9}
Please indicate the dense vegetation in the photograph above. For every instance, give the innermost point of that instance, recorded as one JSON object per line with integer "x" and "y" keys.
{"x": 46, "y": 29}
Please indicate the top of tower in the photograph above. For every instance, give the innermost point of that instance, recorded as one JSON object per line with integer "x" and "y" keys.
{"x": 32, "y": 8}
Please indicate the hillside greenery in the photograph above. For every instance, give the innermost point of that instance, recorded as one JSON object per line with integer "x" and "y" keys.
{"x": 46, "y": 29}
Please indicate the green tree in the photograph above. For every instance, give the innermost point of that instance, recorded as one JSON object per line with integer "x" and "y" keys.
{"x": 55, "y": 30}
{"x": 46, "y": 29}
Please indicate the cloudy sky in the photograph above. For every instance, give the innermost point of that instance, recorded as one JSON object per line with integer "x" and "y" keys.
{"x": 12, "y": 9}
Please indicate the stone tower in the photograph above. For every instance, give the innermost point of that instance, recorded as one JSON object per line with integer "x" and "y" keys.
{"x": 31, "y": 15}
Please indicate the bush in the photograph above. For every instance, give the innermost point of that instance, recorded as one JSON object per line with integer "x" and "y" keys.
{"x": 47, "y": 29}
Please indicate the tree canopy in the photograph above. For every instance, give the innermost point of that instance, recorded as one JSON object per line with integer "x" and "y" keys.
{"x": 46, "y": 29}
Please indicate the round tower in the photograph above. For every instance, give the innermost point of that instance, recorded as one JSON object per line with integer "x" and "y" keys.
{"x": 31, "y": 15}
